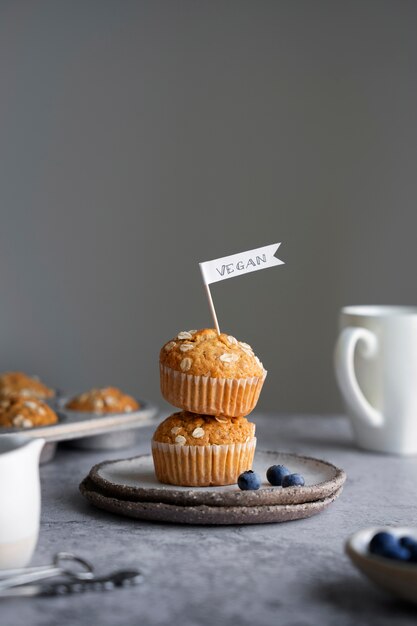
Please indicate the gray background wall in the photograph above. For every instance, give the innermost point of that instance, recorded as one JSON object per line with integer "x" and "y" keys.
{"x": 138, "y": 138}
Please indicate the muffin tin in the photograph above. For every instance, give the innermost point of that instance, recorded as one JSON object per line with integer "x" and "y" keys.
{"x": 90, "y": 431}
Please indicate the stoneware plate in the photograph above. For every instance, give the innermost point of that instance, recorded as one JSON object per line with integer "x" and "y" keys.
{"x": 203, "y": 514}
{"x": 394, "y": 576}
{"x": 134, "y": 480}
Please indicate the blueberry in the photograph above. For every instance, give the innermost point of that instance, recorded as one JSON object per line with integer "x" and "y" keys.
{"x": 408, "y": 542}
{"x": 413, "y": 553}
{"x": 249, "y": 480}
{"x": 399, "y": 549}
{"x": 397, "y": 553}
{"x": 381, "y": 542}
{"x": 276, "y": 473}
{"x": 411, "y": 545}
{"x": 293, "y": 480}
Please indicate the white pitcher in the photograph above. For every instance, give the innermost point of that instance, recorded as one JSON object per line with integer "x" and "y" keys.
{"x": 20, "y": 499}
{"x": 376, "y": 368}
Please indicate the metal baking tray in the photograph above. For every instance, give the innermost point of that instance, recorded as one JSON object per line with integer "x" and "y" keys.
{"x": 90, "y": 431}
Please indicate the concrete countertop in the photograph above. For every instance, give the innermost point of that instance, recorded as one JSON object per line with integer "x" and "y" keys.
{"x": 292, "y": 574}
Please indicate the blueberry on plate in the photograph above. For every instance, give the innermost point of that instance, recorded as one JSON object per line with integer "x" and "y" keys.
{"x": 387, "y": 545}
{"x": 293, "y": 480}
{"x": 276, "y": 473}
{"x": 249, "y": 480}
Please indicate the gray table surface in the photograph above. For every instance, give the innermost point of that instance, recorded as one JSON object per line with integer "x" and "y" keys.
{"x": 291, "y": 574}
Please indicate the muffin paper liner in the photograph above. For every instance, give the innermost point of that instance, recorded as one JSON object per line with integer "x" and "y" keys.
{"x": 202, "y": 466}
{"x": 230, "y": 397}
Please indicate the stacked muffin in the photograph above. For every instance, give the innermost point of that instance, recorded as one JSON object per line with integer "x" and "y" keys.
{"x": 216, "y": 381}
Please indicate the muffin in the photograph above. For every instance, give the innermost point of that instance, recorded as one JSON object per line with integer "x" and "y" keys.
{"x": 20, "y": 384}
{"x": 103, "y": 401}
{"x": 212, "y": 374}
{"x": 195, "y": 450}
{"x": 19, "y": 412}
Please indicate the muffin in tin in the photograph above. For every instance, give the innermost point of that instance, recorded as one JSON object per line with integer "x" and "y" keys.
{"x": 103, "y": 401}
{"x": 21, "y": 384}
{"x": 207, "y": 373}
{"x": 18, "y": 412}
{"x": 197, "y": 450}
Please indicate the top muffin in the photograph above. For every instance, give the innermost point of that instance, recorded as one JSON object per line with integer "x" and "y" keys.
{"x": 20, "y": 384}
{"x": 205, "y": 353}
{"x": 103, "y": 401}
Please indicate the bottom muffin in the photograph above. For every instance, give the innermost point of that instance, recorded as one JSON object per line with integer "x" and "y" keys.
{"x": 201, "y": 450}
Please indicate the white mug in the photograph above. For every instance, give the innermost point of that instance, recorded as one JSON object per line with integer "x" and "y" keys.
{"x": 376, "y": 368}
{"x": 20, "y": 499}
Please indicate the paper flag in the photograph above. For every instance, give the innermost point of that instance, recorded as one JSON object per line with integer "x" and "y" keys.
{"x": 239, "y": 264}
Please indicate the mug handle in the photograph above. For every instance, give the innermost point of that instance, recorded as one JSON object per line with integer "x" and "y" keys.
{"x": 345, "y": 371}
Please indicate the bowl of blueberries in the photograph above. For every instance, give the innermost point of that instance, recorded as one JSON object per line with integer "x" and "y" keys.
{"x": 388, "y": 557}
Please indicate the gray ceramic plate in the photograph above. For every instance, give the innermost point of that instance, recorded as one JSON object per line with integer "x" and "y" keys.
{"x": 203, "y": 514}
{"x": 134, "y": 479}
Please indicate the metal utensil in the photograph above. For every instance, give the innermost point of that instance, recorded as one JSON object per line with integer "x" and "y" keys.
{"x": 64, "y": 564}
{"x": 116, "y": 580}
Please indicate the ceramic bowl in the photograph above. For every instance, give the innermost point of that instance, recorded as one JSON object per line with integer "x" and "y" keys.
{"x": 396, "y": 577}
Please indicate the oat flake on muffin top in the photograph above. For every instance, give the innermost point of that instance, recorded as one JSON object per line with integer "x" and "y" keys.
{"x": 205, "y": 353}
